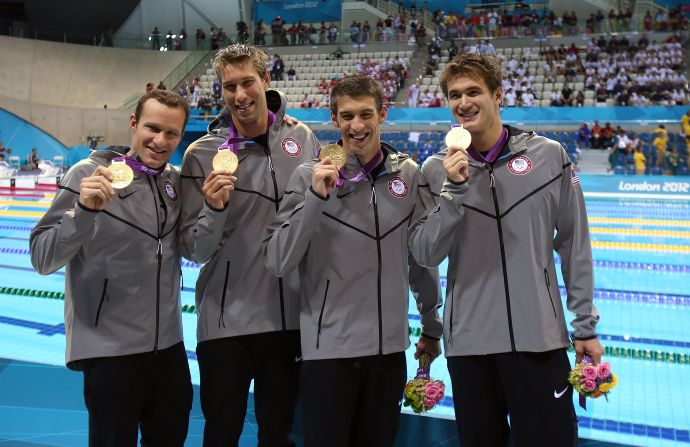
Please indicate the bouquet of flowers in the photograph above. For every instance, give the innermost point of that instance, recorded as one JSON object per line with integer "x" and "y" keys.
{"x": 423, "y": 393}
{"x": 591, "y": 380}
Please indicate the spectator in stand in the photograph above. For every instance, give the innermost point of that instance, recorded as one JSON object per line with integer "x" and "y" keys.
{"x": 510, "y": 98}
{"x": 259, "y": 32}
{"x": 685, "y": 123}
{"x": 583, "y": 136}
{"x": 291, "y": 74}
{"x": 528, "y": 98}
{"x": 671, "y": 161}
{"x": 413, "y": 96}
{"x": 640, "y": 161}
{"x": 196, "y": 91}
{"x": 200, "y": 37}
{"x": 278, "y": 68}
{"x": 332, "y": 33}
{"x": 607, "y": 134}
{"x": 596, "y": 139}
{"x": 580, "y": 99}
{"x": 155, "y": 39}
{"x": 33, "y": 160}
{"x": 660, "y": 141}
{"x": 306, "y": 102}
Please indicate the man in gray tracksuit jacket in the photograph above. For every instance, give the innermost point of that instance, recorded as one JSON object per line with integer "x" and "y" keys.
{"x": 500, "y": 203}
{"x": 122, "y": 282}
{"x": 248, "y": 318}
{"x": 351, "y": 248}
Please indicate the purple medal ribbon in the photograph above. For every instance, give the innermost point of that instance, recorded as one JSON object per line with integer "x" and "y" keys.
{"x": 140, "y": 167}
{"x": 362, "y": 174}
{"x": 234, "y": 140}
{"x": 582, "y": 398}
{"x": 423, "y": 373}
{"x": 494, "y": 152}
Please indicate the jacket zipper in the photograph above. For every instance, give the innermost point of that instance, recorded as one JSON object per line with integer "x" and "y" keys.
{"x": 548, "y": 288}
{"x": 280, "y": 280}
{"x": 104, "y": 296}
{"x": 323, "y": 306}
{"x": 159, "y": 255}
{"x": 380, "y": 267}
{"x": 225, "y": 291}
{"x": 492, "y": 185}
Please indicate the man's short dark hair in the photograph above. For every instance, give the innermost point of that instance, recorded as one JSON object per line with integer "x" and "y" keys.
{"x": 356, "y": 86}
{"x": 483, "y": 66}
{"x": 165, "y": 97}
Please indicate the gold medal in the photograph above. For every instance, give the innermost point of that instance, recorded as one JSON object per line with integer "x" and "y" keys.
{"x": 458, "y": 137}
{"x": 225, "y": 160}
{"x": 122, "y": 174}
{"x": 335, "y": 152}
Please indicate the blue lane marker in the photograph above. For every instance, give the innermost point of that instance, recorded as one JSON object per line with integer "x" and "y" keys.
{"x": 50, "y": 329}
{"x": 585, "y": 422}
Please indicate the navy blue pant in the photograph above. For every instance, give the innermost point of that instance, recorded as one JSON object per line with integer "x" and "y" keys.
{"x": 151, "y": 392}
{"x": 227, "y": 367}
{"x": 530, "y": 387}
{"x": 352, "y": 402}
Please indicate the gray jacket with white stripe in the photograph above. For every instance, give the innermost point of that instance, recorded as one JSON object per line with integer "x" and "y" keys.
{"x": 498, "y": 230}
{"x": 352, "y": 253}
{"x": 122, "y": 275}
{"x": 235, "y": 293}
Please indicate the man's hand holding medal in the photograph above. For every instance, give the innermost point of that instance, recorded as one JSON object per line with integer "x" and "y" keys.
{"x": 97, "y": 190}
{"x": 325, "y": 176}
{"x": 455, "y": 163}
{"x": 220, "y": 181}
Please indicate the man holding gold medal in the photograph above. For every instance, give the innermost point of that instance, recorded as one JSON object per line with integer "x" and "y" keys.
{"x": 113, "y": 225}
{"x": 504, "y": 193}
{"x": 233, "y": 180}
{"x": 344, "y": 224}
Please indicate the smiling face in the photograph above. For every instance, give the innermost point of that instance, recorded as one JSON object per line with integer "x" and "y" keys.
{"x": 157, "y": 132}
{"x": 475, "y": 106}
{"x": 244, "y": 92}
{"x": 360, "y": 124}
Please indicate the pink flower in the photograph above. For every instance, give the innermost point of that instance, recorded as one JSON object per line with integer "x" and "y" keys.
{"x": 603, "y": 370}
{"x": 589, "y": 372}
{"x": 432, "y": 391}
{"x": 589, "y": 385}
{"x": 429, "y": 403}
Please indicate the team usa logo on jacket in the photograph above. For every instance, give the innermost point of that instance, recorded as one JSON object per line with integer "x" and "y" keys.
{"x": 170, "y": 190}
{"x": 397, "y": 187}
{"x": 520, "y": 165}
{"x": 291, "y": 147}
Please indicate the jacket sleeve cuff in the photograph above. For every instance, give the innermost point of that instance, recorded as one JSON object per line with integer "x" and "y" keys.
{"x": 86, "y": 208}
{"x": 425, "y": 335}
{"x": 217, "y": 210}
{"x": 318, "y": 195}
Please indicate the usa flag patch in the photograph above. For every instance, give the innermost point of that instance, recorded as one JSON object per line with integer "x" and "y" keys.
{"x": 574, "y": 178}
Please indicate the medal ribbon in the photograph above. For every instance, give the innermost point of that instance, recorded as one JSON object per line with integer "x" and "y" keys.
{"x": 233, "y": 140}
{"x": 494, "y": 152}
{"x": 582, "y": 399}
{"x": 362, "y": 174}
{"x": 140, "y": 167}
{"x": 424, "y": 368}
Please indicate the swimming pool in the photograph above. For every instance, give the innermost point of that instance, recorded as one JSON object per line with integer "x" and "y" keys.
{"x": 642, "y": 276}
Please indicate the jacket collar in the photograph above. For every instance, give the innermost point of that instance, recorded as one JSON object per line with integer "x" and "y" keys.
{"x": 276, "y": 102}
{"x": 392, "y": 164}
